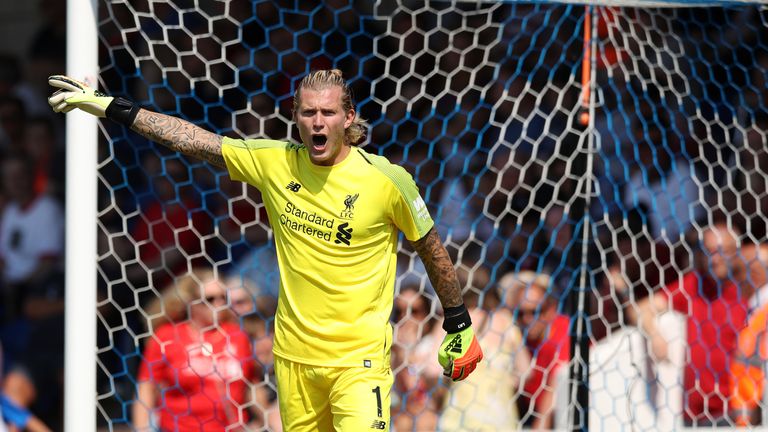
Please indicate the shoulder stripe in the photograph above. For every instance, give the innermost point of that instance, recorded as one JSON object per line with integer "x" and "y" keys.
{"x": 365, "y": 157}
{"x": 397, "y": 174}
{"x": 257, "y": 144}
{"x": 406, "y": 186}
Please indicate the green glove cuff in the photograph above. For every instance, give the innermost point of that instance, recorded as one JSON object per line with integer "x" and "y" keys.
{"x": 456, "y": 319}
{"x": 122, "y": 111}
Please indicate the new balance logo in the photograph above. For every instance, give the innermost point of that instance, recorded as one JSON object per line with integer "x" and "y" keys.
{"x": 378, "y": 424}
{"x": 344, "y": 234}
{"x": 293, "y": 186}
{"x": 454, "y": 345}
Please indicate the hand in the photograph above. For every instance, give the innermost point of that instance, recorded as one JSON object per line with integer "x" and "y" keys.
{"x": 75, "y": 94}
{"x": 459, "y": 354}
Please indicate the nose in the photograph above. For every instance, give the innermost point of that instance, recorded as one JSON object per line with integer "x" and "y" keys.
{"x": 317, "y": 121}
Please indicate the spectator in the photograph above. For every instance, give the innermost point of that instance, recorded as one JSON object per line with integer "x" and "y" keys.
{"x": 31, "y": 240}
{"x": 748, "y": 366}
{"x": 18, "y": 393}
{"x": 197, "y": 370}
{"x": 13, "y": 117}
{"x": 545, "y": 332}
{"x": 418, "y": 398}
{"x": 256, "y": 313}
{"x": 487, "y": 403}
{"x": 716, "y": 311}
{"x": 12, "y": 83}
{"x": 634, "y": 270}
{"x": 48, "y": 157}
{"x": 31, "y": 251}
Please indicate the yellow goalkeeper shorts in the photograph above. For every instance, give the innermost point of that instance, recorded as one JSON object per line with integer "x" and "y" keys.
{"x": 318, "y": 398}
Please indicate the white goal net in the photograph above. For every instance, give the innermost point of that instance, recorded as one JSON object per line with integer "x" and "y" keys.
{"x": 581, "y": 163}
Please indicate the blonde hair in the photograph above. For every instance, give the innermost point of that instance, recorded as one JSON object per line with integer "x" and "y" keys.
{"x": 172, "y": 305}
{"x": 323, "y": 79}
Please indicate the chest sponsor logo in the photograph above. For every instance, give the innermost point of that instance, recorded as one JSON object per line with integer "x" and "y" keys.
{"x": 349, "y": 206}
{"x": 310, "y": 223}
{"x": 344, "y": 234}
{"x": 313, "y": 224}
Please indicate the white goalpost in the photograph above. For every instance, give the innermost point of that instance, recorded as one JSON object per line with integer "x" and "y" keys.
{"x": 81, "y": 218}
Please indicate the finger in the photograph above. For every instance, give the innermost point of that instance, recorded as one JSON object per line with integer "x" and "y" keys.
{"x": 66, "y": 83}
{"x": 58, "y": 97}
{"x": 459, "y": 375}
{"x": 470, "y": 368}
{"x": 68, "y": 109}
{"x": 61, "y": 107}
{"x": 448, "y": 370}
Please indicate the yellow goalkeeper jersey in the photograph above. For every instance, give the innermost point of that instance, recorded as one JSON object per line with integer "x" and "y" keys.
{"x": 335, "y": 230}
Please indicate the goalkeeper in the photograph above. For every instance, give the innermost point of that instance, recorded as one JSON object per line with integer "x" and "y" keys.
{"x": 336, "y": 211}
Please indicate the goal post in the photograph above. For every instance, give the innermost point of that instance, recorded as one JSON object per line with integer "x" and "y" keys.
{"x": 81, "y": 218}
{"x": 589, "y": 145}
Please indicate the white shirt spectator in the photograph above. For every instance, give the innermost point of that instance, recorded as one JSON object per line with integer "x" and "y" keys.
{"x": 28, "y": 234}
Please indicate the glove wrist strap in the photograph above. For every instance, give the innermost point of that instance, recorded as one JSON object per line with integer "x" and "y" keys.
{"x": 122, "y": 111}
{"x": 456, "y": 319}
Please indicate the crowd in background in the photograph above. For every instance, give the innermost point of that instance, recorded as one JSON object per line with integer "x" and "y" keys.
{"x": 493, "y": 151}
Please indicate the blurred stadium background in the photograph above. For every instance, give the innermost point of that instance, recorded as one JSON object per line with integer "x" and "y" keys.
{"x": 482, "y": 103}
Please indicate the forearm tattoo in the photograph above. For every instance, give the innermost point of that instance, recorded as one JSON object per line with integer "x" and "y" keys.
{"x": 180, "y": 135}
{"x": 440, "y": 269}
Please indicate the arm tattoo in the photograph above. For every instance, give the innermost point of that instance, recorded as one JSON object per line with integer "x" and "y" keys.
{"x": 180, "y": 135}
{"x": 439, "y": 269}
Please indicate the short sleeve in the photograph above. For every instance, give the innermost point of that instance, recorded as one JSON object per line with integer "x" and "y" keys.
{"x": 409, "y": 212}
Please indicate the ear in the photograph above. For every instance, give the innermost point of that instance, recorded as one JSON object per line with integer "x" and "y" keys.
{"x": 350, "y": 118}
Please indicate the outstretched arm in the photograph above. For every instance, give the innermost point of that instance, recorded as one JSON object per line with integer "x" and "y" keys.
{"x": 179, "y": 135}
{"x": 176, "y": 134}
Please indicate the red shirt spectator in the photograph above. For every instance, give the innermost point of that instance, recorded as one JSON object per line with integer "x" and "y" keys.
{"x": 203, "y": 382}
{"x": 716, "y": 311}
{"x": 546, "y": 337}
{"x": 715, "y": 314}
{"x": 548, "y": 354}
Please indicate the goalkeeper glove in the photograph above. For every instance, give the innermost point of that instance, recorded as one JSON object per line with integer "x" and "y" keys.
{"x": 460, "y": 352}
{"x": 75, "y": 94}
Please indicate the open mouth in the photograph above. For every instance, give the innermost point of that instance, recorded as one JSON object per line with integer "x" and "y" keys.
{"x": 318, "y": 141}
